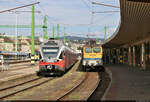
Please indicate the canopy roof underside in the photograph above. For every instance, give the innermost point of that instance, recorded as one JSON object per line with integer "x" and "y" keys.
{"x": 134, "y": 23}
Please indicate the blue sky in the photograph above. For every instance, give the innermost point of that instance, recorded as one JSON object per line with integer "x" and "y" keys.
{"x": 74, "y": 15}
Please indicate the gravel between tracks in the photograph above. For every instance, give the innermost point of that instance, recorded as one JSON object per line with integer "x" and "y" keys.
{"x": 17, "y": 80}
{"x": 51, "y": 90}
{"x": 6, "y": 92}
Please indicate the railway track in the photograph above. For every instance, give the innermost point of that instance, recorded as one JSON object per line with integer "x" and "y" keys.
{"x": 6, "y": 92}
{"x": 80, "y": 86}
{"x": 101, "y": 90}
{"x": 20, "y": 67}
{"x": 17, "y": 62}
{"x": 73, "y": 89}
{"x": 97, "y": 85}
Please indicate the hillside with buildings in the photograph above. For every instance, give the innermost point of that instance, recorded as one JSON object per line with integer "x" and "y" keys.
{"x": 8, "y": 43}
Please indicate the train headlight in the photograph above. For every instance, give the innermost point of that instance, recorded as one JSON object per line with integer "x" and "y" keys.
{"x": 49, "y": 67}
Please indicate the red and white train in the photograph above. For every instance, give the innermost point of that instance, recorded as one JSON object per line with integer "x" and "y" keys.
{"x": 55, "y": 57}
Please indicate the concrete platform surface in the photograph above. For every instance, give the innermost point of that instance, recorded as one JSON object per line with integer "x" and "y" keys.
{"x": 128, "y": 83}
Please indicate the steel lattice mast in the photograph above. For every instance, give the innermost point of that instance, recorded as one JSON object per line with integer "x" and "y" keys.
{"x": 57, "y": 31}
{"x": 45, "y": 28}
{"x": 32, "y": 37}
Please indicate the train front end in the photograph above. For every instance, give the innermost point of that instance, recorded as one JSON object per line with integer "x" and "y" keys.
{"x": 92, "y": 57}
{"x": 50, "y": 64}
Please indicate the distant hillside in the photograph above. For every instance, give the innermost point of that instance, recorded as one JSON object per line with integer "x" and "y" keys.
{"x": 72, "y": 38}
{"x": 79, "y": 38}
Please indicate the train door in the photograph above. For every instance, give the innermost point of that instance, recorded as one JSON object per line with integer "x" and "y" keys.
{"x": 63, "y": 58}
{"x": 67, "y": 58}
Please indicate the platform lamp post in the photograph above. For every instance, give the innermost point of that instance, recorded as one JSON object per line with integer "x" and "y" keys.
{"x": 32, "y": 38}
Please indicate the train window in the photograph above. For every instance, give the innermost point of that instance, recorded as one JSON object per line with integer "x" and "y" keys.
{"x": 96, "y": 50}
{"x": 51, "y": 43}
{"x": 88, "y": 50}
{"x": 50, "y": 51}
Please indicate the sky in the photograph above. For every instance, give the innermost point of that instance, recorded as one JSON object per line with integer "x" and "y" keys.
{"x": 73, "y": 15}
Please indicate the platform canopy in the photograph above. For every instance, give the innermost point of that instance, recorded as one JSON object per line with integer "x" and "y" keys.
{"x": 134, "y": 23}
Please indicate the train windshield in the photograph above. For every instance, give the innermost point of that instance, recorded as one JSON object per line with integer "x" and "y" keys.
{"x": 50, "y": 52}
{"x": 88, "y": 50}
{"x": 96, "y": 50}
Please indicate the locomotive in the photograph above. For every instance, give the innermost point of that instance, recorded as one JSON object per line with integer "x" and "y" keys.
{"x": 92, "y": 56}
{"x": 55, "y": 57}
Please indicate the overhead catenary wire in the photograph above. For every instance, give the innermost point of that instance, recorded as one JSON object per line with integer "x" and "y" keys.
{"x": 105, "y": 12}
{"x": 43, "y": 13}
{"x": 89, "y": 8}
{"x": 53, "y": 21}
{"x": 65, "y": 24}
{"x": 89, "y": 1}
{"x": 18, "y": 7}
{"x": 25, "y": 11}
{"x": 22, "y": 3}
{"x": 91, "y": 22}
{"x": 107, "y": 5}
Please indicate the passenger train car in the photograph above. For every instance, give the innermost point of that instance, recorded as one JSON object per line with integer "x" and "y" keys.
{"x": 14, "y": 55}
{"x": 55, "y": 57}
{"x": 92, "y": 54}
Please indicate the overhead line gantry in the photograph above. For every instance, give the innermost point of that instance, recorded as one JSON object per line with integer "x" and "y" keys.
{"x": 32, "y": 26}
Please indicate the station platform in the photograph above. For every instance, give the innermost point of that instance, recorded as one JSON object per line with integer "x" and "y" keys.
{"x": 18, "y": 70}
{"x": 128, "y": 83}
